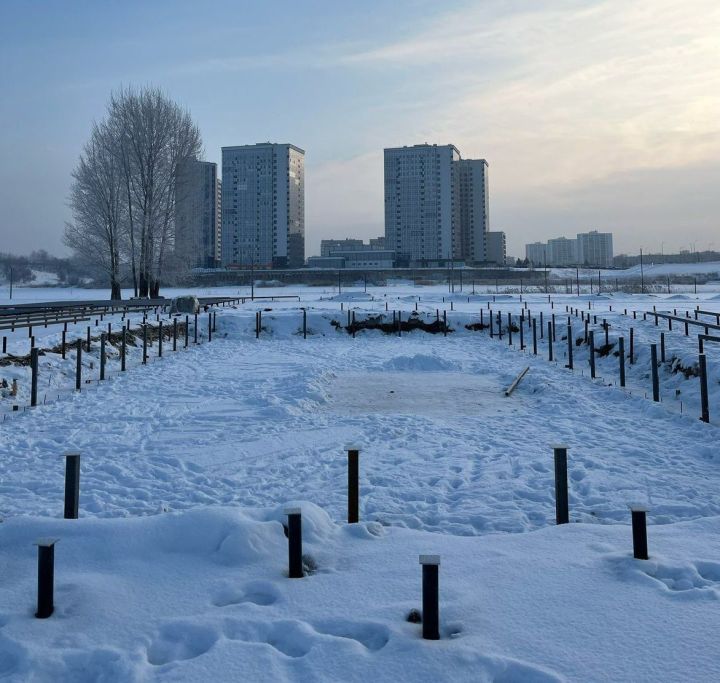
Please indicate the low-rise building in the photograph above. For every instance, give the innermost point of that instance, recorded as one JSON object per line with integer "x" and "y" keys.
{"x": 495, "y": 247}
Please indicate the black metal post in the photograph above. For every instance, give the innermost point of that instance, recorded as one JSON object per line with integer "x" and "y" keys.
{"x": 195, "y": 330}
{"x": 62, "y": 344}
{"x": 145, "y": 353}
{"x": 72, "y": 485}
{"x": 632, "y": 346}
{"x": 639, "y": 532}
{"x": 34, "y": 380}
{"x": 550, "y": 341}
{"x": 102, "y": 355}
{"x": 570, "y": 345}
{"x": 46, "y": 577}
{"x": 704, "y": 408}
{"x": 175, "y": 331}
{"x": 621, "y": 358}
{"x": 187, "y": 330}
{"x": 210, "y": 329}
{"x": 87, "y": 348}
{"x": 295, "y": 568}
{"x": 591, "y": 338}
{"x": 662, "y": 347}
{"x": 509, "y": 329}
{"x": 123, "y": 346}
{"x": 78, "y": 365}
{"x": 430, "y": 597}
{"x": 562, "y": 514}
{"x": 353, "y": 485}
{"x": 160, "y": 338}
{"x": 534, "y": 329}
{"x": 304, "y": 324}
{"x": 654, "y": 368}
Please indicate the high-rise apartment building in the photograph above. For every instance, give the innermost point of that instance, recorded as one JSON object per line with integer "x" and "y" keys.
{"x": 436, "y": 204}
{"x": 472, "y": 228}
{"x": 263, "y": 205}
{"x": 562, "y": 252}
{"x": 420, "y": 202}
{"x": 197, "y": 213}
{"x": 537, "y": 253}
{"x": 218, "y": 222}
{"x": 595, "y": 249}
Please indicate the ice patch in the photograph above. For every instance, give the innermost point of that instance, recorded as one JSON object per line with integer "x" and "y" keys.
{"x": 439, "y": 393}
{"x": 420, "y": 363}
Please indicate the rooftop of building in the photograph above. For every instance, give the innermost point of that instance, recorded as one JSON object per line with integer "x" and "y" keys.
{"x": 265, "y": 144}
{"x": 423, "y": 145}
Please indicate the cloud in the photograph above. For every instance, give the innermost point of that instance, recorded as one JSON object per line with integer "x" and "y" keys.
{"x": 565, "y": 99}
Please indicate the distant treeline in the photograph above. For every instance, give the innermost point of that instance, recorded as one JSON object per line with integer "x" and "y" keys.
{"x": 68, "y": 270}
{"x": 626, "y": 261}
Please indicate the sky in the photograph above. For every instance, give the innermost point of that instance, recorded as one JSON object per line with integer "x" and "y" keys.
{"x": 595, "y": 114}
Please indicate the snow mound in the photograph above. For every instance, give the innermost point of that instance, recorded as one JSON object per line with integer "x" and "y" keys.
{"x": 351, "y": 296}
{"x": 420, "y": 362}
{"x": 678, "y": 297}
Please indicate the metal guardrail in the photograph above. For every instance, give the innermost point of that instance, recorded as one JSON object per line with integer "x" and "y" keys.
{"x": 685, "y": 321}
{"x": 712, "y": 313}
{"x": 702, "y": 338}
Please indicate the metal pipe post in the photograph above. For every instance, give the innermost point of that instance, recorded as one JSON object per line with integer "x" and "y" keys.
{"x": 562, "y": 513}
{"x": 430, "y": 597}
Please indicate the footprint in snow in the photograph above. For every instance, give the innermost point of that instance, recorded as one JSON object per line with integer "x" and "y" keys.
{"x": 261, "y": 593}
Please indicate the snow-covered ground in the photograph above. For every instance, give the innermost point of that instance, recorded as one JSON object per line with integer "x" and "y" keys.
{"x": 649, "y": 271}
{"x": 177, "y": 568}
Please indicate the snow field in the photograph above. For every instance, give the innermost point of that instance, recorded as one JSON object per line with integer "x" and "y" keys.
{"x": 177, "y": 568}
{"x": 204, "y": 595}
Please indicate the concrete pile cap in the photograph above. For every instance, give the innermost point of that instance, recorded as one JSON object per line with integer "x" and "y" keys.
{"x": 430, "y": 559}
{"x": 46, "y": 542}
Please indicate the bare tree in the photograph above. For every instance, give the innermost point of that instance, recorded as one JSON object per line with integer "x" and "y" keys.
{"x": 96, "y": 200}
{"x": 124, "y": 187}
{"x": 153, "y": 134}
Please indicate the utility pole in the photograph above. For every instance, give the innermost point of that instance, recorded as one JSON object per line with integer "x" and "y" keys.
{"x": 642, "y": 275}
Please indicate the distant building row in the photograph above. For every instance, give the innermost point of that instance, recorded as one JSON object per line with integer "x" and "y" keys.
{"x": 436, "y": 211}
{"x": 588, "y": 249}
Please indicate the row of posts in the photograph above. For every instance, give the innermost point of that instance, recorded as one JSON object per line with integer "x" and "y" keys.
{"x": 430, "y": 563}
{"x": 34, "y": 352}
{"x": 589, "y": 338}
